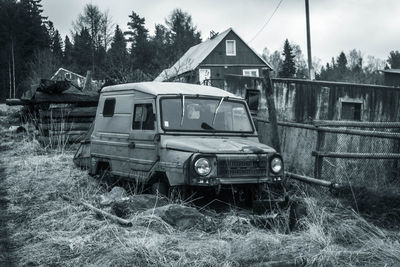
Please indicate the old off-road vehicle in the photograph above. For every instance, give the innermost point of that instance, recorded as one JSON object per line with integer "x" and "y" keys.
{"x": 169, "y": 135}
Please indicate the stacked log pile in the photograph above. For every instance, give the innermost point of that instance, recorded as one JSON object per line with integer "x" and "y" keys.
{"x": 64, "y": 125}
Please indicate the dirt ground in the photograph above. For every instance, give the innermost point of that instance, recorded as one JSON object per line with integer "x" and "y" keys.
{"x": 39, "y": 228}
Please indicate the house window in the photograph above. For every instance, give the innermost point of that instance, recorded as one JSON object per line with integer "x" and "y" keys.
{"x": 250, "y": 72}
{"x": 351, "y": 110}
{"x": 230, "y": 47}
{"x": 143, "y": 117}
{"x": 68, "y": 76}
{"x": 109, "y": 107}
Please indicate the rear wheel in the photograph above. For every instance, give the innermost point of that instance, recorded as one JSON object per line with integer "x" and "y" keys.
{"x": 105, "y": 176}
{"x": 103, "y": 171}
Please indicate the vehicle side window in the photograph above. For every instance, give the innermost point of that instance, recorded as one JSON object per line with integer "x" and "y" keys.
{"x": 109, "y": 107}
{"x": 143, "y": 117}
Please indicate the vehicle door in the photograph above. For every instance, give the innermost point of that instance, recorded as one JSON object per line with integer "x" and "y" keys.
{"x": 142, "y": 144}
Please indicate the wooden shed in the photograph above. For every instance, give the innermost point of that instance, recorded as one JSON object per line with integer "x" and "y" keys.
{"x": 304, "y": 101}
{"x": 392, "y": 77}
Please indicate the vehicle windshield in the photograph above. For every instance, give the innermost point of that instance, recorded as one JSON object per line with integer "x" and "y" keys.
{"x": 204, "y": 114}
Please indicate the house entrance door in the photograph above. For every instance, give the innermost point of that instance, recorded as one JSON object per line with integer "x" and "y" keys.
{"x": 205, "y": 76}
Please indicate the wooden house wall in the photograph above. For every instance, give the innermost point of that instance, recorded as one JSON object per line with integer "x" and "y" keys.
{"x": 217, "y": 74}
{"x": 244, "y": 55}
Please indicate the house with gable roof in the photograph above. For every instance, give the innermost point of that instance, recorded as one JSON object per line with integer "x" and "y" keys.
{"x": 212, "y": 60}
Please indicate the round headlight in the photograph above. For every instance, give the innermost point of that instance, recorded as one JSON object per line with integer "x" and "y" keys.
{"x": 276, "y": 165}
{"x": 202, "y": 166}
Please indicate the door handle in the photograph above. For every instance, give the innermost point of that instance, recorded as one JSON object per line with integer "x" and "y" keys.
{"x": 131, "y": 144}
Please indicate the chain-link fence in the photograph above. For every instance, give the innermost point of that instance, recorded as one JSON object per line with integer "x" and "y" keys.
{"x": 356, "y": 153}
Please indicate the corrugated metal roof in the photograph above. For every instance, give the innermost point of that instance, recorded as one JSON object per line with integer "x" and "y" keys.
{"x": 195, "y": 55}
{"x": 166, "y": 88}
{"x": 397, "y": 71}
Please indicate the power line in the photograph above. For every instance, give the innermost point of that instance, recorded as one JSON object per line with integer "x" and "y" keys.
{"x": 266, "y": 23}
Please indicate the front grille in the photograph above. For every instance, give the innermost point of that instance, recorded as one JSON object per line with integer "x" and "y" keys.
{"x": 253, "y": 166}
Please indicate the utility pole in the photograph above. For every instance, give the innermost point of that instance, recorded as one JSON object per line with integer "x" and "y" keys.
{"x": 269, "y": 95}
{"x": 310, "y": 67}
{"x": 9, "y": 75}
{"x": 13, "y": 63}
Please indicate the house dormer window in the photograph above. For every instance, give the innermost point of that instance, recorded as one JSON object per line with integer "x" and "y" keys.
{"x": 230, "y": 47}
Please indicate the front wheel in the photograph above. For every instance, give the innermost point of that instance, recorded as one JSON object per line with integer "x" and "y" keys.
{"x": 297, "y": 211}
{"x": 160, "y": 188}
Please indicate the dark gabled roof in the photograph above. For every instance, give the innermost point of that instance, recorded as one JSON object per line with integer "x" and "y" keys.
{"x": 195, "y": 55}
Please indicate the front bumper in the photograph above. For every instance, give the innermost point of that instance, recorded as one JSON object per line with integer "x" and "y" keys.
{"x": 237, "y": 180}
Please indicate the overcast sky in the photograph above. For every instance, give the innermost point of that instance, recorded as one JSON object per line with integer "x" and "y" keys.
{"x": 371, "y": 26}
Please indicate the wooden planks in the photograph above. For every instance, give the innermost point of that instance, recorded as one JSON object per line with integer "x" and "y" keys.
{"x": 69, "y": 112}
{"x": 43, "y": 98}
{"x": 59, "y": 126}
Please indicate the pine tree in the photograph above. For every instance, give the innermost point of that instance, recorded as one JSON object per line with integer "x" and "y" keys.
{"x": 394, "y": 59}
{"x": 95, "y": 23}
{"x": 183, "y": 33}
{"x": 160, "y": 44}
{"x": 342, "y": 63}
{"x": 67, "y": 60}
{"x": 22, "y": 32}
{"x": 117, "y": 57}
{"x": 82, "y": 51}
{"x": 288, "y": 66}
{"x": 56, "y": 45}
{"x": 141, "y": 54}
{"x": 118, "y": 45}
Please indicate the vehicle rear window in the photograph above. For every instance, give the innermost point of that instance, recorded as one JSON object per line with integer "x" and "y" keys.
{"x": 143, "y": 117}
{"x": 109, "y": 107}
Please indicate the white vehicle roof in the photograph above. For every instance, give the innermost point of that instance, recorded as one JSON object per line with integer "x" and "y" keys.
{"x": 170, "y": 88}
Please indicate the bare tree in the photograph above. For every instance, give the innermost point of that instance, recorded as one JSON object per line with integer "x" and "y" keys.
{"x": 99, "y": 26}
{"x": 107, "y": 29}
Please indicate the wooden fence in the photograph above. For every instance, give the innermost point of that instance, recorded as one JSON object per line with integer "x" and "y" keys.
{"x": 334, "y": 150}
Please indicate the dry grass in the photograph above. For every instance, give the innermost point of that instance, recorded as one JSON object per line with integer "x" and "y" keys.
{"x": 50, "y": 231}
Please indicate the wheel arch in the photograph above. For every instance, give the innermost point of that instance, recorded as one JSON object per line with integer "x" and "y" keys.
{"x": 102, "y": 164}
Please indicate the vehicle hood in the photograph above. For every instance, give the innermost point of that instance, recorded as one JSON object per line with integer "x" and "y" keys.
{"x": 216, "y": 145}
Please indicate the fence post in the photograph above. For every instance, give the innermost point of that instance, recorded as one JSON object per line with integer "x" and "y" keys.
{"x": 269, "y": 95}
{"x": 319, "y": 159}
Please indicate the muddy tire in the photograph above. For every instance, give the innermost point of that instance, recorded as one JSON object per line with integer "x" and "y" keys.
{"x": 178, "y": 193}
{"x": 160, "y": 188}
{"x": 297, "y": 211}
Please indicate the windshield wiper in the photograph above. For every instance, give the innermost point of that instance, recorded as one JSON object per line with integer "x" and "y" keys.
{"x": 216, "y": 110}
{"x": 205, "y": 126}
{"x": 183, "y": 109}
